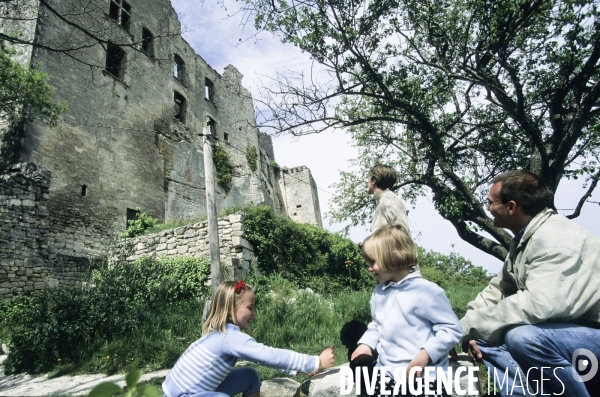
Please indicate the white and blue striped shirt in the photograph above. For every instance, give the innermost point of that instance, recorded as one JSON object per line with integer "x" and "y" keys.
{"x": 204, "y": 365}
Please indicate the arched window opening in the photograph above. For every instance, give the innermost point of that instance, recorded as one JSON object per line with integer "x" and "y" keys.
{"x": 115, "y": 61}
{"x": 178, "y": 67}
{"x": 179, "y": 107}
{"x": 147, "y": 42}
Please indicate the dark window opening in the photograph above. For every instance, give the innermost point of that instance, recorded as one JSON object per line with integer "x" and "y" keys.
{"x": 178, "y": 67}
{"x": 120, "y": 11}
{"x": 132, "y": 215}
{"x": 212, "y": 126}
{"x": 179, "y": 107}
{"x": 147, "y": 42}
{"x": 209, "y": 89}
{"x": 115, "y": 61}
{"x": 226, "y": 137}
{"x": 83, "y": 190}
{"x": 299, "y": 206}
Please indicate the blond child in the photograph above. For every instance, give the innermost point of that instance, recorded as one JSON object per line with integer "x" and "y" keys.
{"x": 206, "y": 368}
{"x": 412, "y": 321}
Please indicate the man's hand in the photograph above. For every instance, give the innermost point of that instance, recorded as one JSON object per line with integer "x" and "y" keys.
{"x": 420, "y": 360}
{"x": 471, "y": 348}
{"x": 362, "y": 349}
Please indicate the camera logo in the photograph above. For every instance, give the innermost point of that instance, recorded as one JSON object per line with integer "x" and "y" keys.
{"x": 588, "y": 364}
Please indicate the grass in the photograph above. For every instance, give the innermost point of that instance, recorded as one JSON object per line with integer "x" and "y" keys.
{"x": 308, "y": 324}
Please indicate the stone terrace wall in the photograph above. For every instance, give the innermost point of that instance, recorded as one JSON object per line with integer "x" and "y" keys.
{"x": 192, "y": 240}
{"x": 24, "y": 230}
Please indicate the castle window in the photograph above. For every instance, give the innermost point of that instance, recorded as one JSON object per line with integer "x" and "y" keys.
{"x": 147, "y": 42}
{"x": 132, "y": 215}
{"x": 226, "y": 137}
{"x": 115, "y": 61}
{"x": 120, "y": 11}
{"x": 180, "y": 107}
{"x": 209, "y": 89}
{"x": 299, "y": 206}
{"x": 178, "y": 67}
{"x": 83, "y": 190}
{"x": 212, "y": 125}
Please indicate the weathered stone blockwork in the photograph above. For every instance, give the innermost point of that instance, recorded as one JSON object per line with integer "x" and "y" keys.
{"x": 236, "y": 252}
{"x": 23, "y": 230}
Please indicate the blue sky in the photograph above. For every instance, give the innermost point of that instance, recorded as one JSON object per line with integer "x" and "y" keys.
{"x": 217, "y": 33}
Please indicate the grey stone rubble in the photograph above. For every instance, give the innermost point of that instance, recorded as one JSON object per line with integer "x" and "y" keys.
{"x": 325, "y": 384}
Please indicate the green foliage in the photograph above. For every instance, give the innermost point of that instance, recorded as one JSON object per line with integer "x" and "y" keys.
{"x": 139, "y": 226}
{"x": 305, "y": 254}
{"x": 24, "y": 91}
{"x": 224, "y": 168}
{"x": 450, "y": 270}
{"x": 107, "y": 389}
{"x": 449, "y": 92}
{"x": 63, "y": 326}
{"x": 251, "y": 156}
{"x": 275, "y": 165}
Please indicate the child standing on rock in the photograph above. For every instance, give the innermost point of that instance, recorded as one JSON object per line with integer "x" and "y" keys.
{"x": 206, "y": 368}
{"x": 412, "y": 323}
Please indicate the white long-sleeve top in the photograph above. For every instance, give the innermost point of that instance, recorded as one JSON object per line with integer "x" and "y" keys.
{"x": 390, "y": 210}
{"x": 204, "y": 365}
{"x": 408, "y": 316}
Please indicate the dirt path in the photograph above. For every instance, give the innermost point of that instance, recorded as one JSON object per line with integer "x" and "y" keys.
{"x": 40, "y": 385}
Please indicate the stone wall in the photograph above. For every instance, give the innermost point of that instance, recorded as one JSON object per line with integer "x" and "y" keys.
{"x": 23, "y": 230}
{"x": 300, "y": 195}
{"x": 236, "y": 252}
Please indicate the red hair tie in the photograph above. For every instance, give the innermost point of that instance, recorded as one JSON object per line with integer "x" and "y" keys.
{"x": 239, "y": 286}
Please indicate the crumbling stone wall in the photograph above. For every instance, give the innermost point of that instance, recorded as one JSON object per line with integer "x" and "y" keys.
{"x": 23, "y": 230}
{"x": 236, "y": 253}
{"x": 300, "y": 195}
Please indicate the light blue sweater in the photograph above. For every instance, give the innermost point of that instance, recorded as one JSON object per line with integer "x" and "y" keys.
{"x": 408, "y": 316}
{"x": 204, "y": 365}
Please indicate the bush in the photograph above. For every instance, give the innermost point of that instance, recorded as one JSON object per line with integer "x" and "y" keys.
{"x": 305, "y": 254}
{"x": 450, "y": 270}
{"x": 68, "y": 325}
{"x": 139, "y": 226}
{"x": 223, "y": 167}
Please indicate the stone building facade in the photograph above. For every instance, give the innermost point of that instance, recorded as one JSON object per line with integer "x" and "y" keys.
{"x": 130, "y": 137}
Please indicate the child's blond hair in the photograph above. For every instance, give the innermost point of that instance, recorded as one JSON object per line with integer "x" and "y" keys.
{"x": 391, "y": 247}
{"x": 222, "y": 307}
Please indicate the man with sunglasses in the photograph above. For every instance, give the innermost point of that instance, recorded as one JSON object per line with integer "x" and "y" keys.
{"x": 536, "y": 325}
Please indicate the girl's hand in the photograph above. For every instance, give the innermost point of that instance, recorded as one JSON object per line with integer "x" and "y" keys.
{"x": 362, "y": 349}
{"x": 421, "y": 360}
{"x": 326, "y": 358}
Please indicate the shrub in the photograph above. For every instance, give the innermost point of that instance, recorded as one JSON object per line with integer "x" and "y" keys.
{"x": 139, "y": 226}
{"x": 251, "y": 157}
{"x": 305, "y": 254}
{"x": 67, "y": 325}
{"x": 452, "y": 269}
{"x": 223, "y": 167}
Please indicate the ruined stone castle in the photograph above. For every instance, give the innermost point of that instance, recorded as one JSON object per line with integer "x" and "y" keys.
{"x": 129, "y": 139}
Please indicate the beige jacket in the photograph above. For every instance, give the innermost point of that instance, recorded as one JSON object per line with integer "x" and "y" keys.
{"x": 389, "y": 211}
{"x": 553, "y": 273}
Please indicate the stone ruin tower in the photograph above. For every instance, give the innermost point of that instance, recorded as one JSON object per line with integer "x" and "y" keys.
{"x": 130, "y": 136}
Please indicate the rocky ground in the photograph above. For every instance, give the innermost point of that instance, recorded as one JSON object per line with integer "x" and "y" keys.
{"x": 325, "y": 384}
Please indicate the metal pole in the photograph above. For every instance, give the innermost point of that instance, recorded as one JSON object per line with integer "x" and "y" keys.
{"x": 211, "y": 207}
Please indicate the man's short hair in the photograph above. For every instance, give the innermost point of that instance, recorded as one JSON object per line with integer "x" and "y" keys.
{"x": 385, "y": 176}
{"x": 525, "y": 188}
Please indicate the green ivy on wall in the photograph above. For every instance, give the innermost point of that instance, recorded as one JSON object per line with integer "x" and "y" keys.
{"x": 222, "y": 162}
{"x": 251, "y": 156}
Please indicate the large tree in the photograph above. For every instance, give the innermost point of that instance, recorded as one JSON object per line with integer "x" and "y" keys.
{"x": 449, "y": 92}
